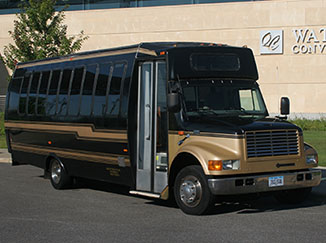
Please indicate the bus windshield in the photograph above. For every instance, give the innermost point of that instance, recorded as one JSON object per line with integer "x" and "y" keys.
{"x": 222, "y": 98}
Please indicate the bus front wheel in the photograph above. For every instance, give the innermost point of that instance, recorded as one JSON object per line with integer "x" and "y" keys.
{"x": 58, "y": 176}
{"x": 191, "y": 191}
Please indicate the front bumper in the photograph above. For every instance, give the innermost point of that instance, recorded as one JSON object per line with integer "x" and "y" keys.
{"x": 260, "y": 183}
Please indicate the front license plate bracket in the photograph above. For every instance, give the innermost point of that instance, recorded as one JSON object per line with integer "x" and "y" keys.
{"x": 276, "y": 181}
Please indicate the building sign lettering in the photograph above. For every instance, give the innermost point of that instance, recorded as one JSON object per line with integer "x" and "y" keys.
{"x": 309, "y": 41}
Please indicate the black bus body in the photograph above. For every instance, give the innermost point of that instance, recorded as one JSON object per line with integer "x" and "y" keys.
{"x": 160, "y": 118}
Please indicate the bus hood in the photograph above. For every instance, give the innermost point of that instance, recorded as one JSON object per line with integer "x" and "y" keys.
{"x": 239, "y": 126}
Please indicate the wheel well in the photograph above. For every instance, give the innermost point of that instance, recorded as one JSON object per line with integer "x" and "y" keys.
{"x": 180, "y": 162}
{"x": 47, "y": 162}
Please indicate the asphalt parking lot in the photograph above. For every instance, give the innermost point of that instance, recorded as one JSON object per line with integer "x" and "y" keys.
{"x": 32, "y": 211}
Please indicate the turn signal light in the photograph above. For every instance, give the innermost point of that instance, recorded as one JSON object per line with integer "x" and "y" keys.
{"x": 215, "y": 165}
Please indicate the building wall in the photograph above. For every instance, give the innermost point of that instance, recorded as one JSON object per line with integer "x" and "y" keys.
{"x": 298, "y": 76}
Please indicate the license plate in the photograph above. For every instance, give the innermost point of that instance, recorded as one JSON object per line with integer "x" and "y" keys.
{"x": 276, "y": 181}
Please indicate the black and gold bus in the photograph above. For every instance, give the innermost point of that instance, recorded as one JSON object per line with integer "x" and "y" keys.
{"x": 165, "y": 119}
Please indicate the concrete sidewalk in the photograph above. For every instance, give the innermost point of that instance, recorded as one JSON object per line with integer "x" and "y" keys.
{"x": 5, "y": 157}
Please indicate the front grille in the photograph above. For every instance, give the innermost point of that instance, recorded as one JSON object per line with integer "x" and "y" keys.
{"x": 272, "y": 143}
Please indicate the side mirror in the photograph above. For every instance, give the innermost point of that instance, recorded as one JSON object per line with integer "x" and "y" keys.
{"x": 285, "y": 106}
{"x": 173, "y": 102}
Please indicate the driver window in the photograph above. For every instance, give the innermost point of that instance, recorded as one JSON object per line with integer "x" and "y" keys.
{"x": 248, "y": 99}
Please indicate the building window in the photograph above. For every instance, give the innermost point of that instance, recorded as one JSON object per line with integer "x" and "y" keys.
{"x": 12, "y": 6}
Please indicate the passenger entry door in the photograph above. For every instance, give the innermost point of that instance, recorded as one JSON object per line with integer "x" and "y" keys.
{"x": 152, "y": 132}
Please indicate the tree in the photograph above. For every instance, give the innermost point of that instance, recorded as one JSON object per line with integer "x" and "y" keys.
{"x": 39, "y": 33}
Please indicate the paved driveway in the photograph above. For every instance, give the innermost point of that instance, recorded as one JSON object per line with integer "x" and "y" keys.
{"x": 32, "y": 211}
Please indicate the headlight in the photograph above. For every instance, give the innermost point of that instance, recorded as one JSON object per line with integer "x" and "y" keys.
{"x": 311, "y": 155}
{"x": 312, "y": 159}
{"x": 223, "y": 165}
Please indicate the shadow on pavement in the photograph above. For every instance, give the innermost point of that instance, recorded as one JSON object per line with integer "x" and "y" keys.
{"x": 247, "y": 204}
{"x": 250, "y": 204}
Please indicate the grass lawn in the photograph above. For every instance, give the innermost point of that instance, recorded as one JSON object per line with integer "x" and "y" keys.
{"x": 3, "y": 143}
{"x": 318, "y": 140}
{"x": 315, "y": 138}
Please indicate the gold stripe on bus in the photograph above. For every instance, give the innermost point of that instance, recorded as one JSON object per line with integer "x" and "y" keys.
{"x": 207, "y": 134}
{"x": 88, "y": 56}
{"x": 83, "y": 131}
{"x": 95, "y": 157}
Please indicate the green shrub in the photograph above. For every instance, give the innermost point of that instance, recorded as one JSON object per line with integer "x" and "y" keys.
{"x": 311, "y": 125}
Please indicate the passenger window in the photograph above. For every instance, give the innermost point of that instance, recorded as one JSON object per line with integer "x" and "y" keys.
{"x": 63, "y": 93}
{"x": 14, "y": 95}
{"x": 23, "y": 94}
{"x": 75, "y": 91}
{"x": 32, "y": 93}
{"x": 86, "y": 99}
{"x": 51, "y": 101}
{"x": 101, "y": 90}
{"x": 42, "y": 93}
{"x": 125, "y": 96}
{"x": 115, "y": 88}
{"x": 162, "y": 117}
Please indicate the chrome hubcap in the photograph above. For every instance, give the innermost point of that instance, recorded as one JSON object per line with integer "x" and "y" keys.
{"x": 190, "y": 191}
{"x": 55, "y": 172}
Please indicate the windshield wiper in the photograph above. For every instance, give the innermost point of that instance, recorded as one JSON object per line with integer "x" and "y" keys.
{"x": 209, "y": 111}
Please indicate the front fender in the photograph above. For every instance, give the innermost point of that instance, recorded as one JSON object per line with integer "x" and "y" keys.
{"x": 207, "y": 148}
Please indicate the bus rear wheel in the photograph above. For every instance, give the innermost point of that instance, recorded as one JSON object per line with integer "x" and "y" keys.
{"x": 191, "y": 191}
{"x": 58, "y": 176}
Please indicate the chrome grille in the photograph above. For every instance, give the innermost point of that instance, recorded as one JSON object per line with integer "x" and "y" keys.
{"x": 272, "y": 143}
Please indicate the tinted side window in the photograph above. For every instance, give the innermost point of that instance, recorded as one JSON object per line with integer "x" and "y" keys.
{"x": 32, "y": 93}
{"x": 86, "y": 99}
{"x": 75, "y": 91}
{"x": 101, "y": 90}
{"x": 14, "y": 95}
{"x": 23, "y": 94}
{"x": 42, "y": 93}
{"x": 51, "y": 101}
{"x": 114, "y": 91}
{"x": 63, "y": 92}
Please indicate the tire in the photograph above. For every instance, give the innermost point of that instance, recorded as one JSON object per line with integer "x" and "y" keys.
{"x": 58, "y": 175}
{"x": 191, "y": 191}
{"x": 293, "y": 196}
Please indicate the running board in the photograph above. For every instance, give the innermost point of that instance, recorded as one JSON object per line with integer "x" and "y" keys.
{"x": 146, "y": 194}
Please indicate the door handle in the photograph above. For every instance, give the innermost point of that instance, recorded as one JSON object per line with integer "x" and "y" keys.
{"x": 148, "y": 128}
